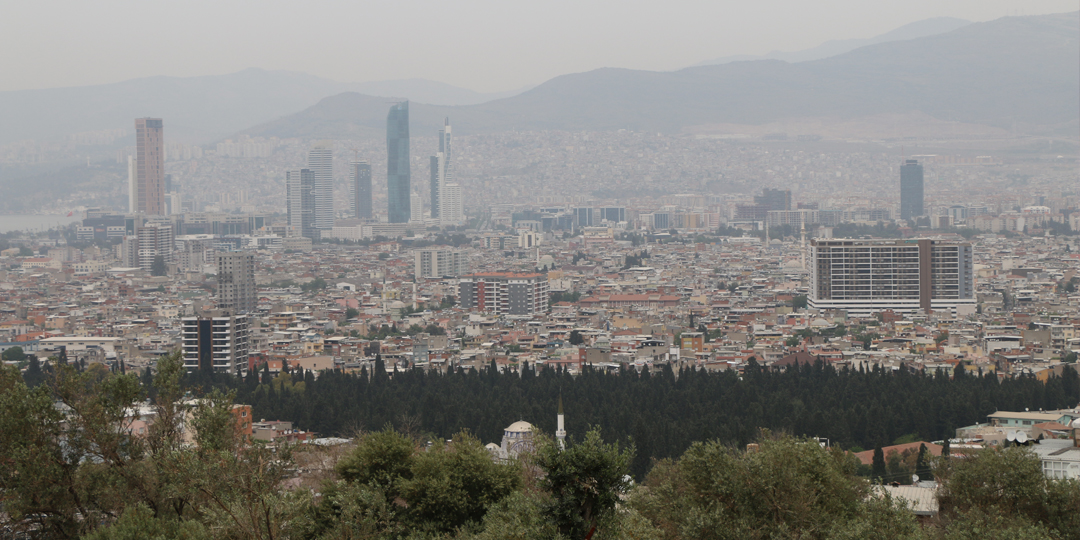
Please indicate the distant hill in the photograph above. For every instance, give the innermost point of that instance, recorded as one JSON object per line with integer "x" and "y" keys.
{"x": 433, "y": 92}
{"x": 196, "y": 109}
{"x": 917, "y": 29}
{"x": 1015, "y": 72}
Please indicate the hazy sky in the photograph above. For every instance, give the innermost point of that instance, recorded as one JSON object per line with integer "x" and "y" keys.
{"x": 486, "y": 45}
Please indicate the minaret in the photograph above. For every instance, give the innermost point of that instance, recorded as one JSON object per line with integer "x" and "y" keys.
{"x": 560, "y": 433}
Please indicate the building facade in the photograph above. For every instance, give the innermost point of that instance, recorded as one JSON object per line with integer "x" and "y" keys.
{"x": 149, "y": 167}
{"x": 218, "y": 343}
{"x": 869, "y": 276}
{"x": 155, "y": 240}
{"x": 398, "y": 175}
{"x": 361, "y": 189}
{"x": 911, "y": 190}
{"x": 321, "y": 165}
{"x": 504, "y": 293}
{"x": 300, "y": 195}
{"x": 437, "y": 263}
{"x": 236, "y": 281}
{"x": 452, "y": 212}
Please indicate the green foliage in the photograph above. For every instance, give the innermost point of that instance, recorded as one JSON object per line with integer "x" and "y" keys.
{"x": 83, "y": 468}
{"x": 786, "y": 488}
{"x": 799, "y": 302}
{"x": 157, "y": 267}
{"x": 1009, "y": 483}
{"x": 575, "y": 338}
{"x": 316, "y": 284}
{"x": 352, "y": 313}
{"x": 14, "y": 354}
{"x": 453, "y": 485}
{"x": 585, "y": 481}
{"x": 382, "y": 460}
{"x": 560, "y": 296}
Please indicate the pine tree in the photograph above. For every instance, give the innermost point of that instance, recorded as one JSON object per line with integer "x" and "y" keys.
{"x": 878, "y": 468}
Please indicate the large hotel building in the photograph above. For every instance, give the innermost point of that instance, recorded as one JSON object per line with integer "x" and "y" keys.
{"x": 868, "y": 276}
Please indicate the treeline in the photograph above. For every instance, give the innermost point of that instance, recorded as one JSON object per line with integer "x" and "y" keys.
{"x": 662, "y": 412}
{"x": 67, "y": 471}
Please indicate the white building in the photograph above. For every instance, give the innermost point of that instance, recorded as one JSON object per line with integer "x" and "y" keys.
{"x": 436, "y": 263}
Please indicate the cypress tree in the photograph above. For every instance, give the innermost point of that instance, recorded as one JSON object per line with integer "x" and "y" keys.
{"x": 878, "y": 468}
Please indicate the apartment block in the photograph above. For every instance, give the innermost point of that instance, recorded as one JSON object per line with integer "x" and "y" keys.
{"x": 868, "y": 276}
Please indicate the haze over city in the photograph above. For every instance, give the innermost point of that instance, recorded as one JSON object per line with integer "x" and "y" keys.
{"x": 482, "y": 45}
{"x": 561, "y": 271}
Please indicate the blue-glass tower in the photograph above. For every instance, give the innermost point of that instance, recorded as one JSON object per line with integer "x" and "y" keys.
{"x": 398, "y": 176}
{"x": 911, "y": 190}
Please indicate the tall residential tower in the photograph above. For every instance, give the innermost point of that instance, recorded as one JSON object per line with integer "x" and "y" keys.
{"x": 321, "y": 164}
{"x": 398, "y": 175}
{"x": 300, "y": 202}
{"x": 149, "y": 182}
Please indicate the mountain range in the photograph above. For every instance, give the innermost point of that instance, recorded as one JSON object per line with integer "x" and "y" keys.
{"x": 1020, "y": 74}
{"x": 917, "y": 29}
{"x": 197, "y": 109}
{"x": 1015, "y": 73}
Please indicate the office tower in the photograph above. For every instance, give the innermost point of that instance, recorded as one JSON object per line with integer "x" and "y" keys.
{"x": 321, "y": 164}
{"x": 504, "y": 293}
{"x": 613, "y": 214}
{"x": 154, "y": 240}
{"x": 149, "y": 167}
{"x": 133, "y": 186}
{"x": 236, "y": 282}
{"x": 438, "y": 262}
{"x": 911, "y": 190}
{"x": 453, "y": 210}
{"x": 416, "y": 208}
{"x": 300, "y": 197}
{"x": 219, "y": 343}
{"x": 774, "y": 199}
{"x": 398, "y": 176}
{"x": 868, "y": 276}
{"x": 361, "y": 189}
{"x": 583, "y": 217}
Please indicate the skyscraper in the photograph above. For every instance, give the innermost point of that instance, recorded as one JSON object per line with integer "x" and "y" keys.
{"x": 300, "y": 201}
{"x": 321, "y": 164}
{"x": 361, "y": 187}
{"x": 911, "y": 190}
{"x": 398, "y": 175}
{"x": 236, "y": 281}
{"x": 436, "y": 164}
{"x": 149, "y": 167}
{"x": 441, "y": 171}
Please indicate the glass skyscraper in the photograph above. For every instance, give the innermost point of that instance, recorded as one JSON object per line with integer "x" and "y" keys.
{"x": 398, "y": 176}
{"x": 911, "y": 190}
